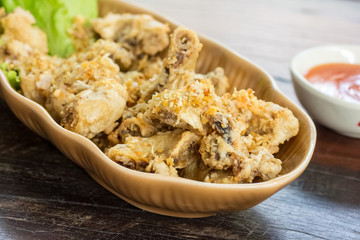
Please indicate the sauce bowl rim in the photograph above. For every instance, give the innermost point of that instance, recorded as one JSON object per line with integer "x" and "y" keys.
{"x": 299, "y": 78}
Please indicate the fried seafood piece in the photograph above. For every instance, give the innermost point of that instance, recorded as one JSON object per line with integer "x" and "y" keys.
{"x": 81, "y": 34}
{"x": 269, "y": 123}
{"x": 24, "y": 48}
{"x": 181, "y": 60}
{"x": 216, "y": 152}
{"x": 179, "y": 66}
{"x": 236, "y": 165}
{"x": 19, "y": 25}
{"x": 134, "y": 123}
{"x": 141, "y": 33}
{"x": 133, "y": 126}
{"x": 149, "y": 66}
{"x": 87, "y": 98}
{"x": 183, "y": 108}
{"x": 260, "y": 163}
{"x": 132, "y": 80}
{"x": 36, "y": 70}
{"x": 162, "y": 153}
{"x": 120, "y": 55}
{"x": 136, "y": 80}
{"x": 218, "y": 78}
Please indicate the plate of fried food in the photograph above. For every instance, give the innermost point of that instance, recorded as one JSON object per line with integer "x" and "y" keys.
{"x": 170, "y": 121}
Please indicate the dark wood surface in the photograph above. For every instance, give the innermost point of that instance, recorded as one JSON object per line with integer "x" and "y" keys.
{"x": 43, "y": 195}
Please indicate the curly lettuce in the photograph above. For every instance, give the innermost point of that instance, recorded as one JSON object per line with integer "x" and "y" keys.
{"x": 54, "y": 17}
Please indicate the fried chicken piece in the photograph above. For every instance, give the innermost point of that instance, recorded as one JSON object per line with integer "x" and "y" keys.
{"x": 19, "y": 25}
{"x": 224, "y": 147}
{"x": 162, "y": 153}
{"x": 244, "y": 154}
{"x": 142, "y": 32}
{"x": 87, "y": 98}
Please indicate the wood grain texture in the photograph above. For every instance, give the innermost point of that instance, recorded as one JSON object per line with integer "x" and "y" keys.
{"x": 43, "y": 195}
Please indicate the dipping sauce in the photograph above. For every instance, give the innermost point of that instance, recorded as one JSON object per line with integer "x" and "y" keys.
{"x": 341, "y": 80}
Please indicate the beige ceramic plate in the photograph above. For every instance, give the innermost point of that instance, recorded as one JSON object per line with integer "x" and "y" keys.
{"x": 169, "y": 195}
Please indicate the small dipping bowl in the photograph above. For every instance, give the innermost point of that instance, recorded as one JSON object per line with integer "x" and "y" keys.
{"x": 335, "y": 113}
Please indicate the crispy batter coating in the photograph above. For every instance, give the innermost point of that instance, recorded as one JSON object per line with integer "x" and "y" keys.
{"x": 179, "y": 66}
{"x": 24, "y": 48}
{"x": 141, "y": 32}
{"x": 183, "y": 108}
{"x": 87, "y": 96}
{"x": 120, "y": 55}
{"x": 81, "y": 33}
{"x": 269, "y": 123}
{"x": 162, "y": 153}
{"x": 218, "y": 79}
{"x": 19, "y": 25}
{"x": 35, "y": 68}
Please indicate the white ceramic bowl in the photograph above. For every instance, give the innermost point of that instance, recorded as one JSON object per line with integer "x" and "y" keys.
{"x": 337, "y": 114}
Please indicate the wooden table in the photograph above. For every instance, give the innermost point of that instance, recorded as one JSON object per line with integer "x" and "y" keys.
{"x": 43, "y": 195}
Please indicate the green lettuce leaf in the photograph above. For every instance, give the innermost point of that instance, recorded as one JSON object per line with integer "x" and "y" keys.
{"x": 54, "y": 17}
{"x": 12, "y": 76}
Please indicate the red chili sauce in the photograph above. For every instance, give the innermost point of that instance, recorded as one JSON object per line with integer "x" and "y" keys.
{"x": 337, "y": 79}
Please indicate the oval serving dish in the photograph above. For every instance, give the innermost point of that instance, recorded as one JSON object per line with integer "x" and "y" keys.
{"x": 170, "y": 195}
